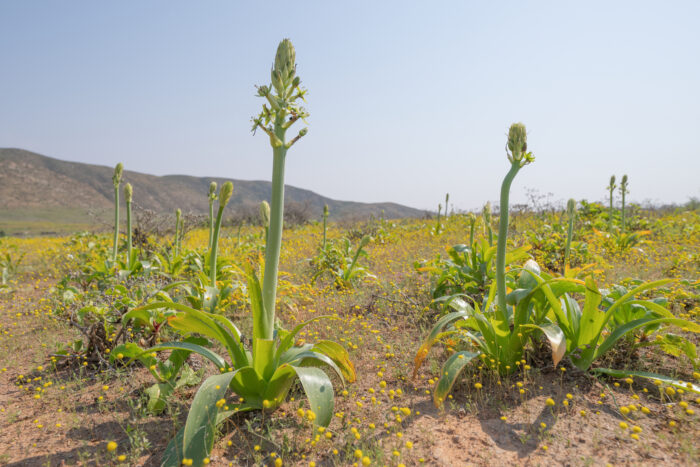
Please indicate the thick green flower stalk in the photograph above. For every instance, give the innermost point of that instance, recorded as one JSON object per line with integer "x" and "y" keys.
{"x": 623, "y": 192}
{"x": 128, "y": 194}
{"x": 437, "y": 227}
{"x": 486, "y": 213}
{"x": 278, "y": 114}
{"x": 472, "y": 224}
{"x": 116, "y": 180}
{"x": 265, "y": 217}
{"x": 447, "y": 203}
{"x": 325, "y": 225}
{"x": 571, "y": 214}
{"x": 518, "y": 157}
{"x": 212, "y": 198}
{"x": 224, "y": 197}
{"x": 611, "y": 189}
{"x": 176, "y": 240}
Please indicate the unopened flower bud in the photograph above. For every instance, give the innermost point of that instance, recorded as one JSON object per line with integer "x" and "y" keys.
{"x": 225, "y": 193}
{"x": 265, "y": 213}
{"x": 128, "y": 192}
{"x": 571, "y": 207}
{"x": 117, "y": 177}
{"x": 517, "y": 141}
{"x": 285, "y": 58}
{"x": 212, "y": 190}
{"x": 325, "y": 210}
{"x": 487, "y": 212}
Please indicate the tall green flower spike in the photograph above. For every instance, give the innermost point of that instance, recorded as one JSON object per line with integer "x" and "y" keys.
{"x": 472, "y": 223}
{"x": 176, "y": 240}
{"x": 611, "y": 189}
{"x": 325, "y": 225}
{"x": 116, "y": 180}
{"x": 224, "y": 197}
{"x": 128, "y": 194}
{"x": 212, "y": 198}
{"x": 571, "y": 213}
{"x": 623, "y": 192}
{"x": 518, "y": 157}
{"x": 486, "y": 213}
{"x": 278, "y": 114}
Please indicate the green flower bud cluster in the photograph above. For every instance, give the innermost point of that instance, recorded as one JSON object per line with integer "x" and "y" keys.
{"x": 281, "y": 110}
{"x": 283, "y": 74}
{"x": 487, "y": 213}
{"x": 117, "y": 177}
{"x": 517, "y": 145}
{"x": 212, "y": 191}
{"x": 571, "y": 207}
{"x": 225, "y": 193}
{"x": 128, "y": 192}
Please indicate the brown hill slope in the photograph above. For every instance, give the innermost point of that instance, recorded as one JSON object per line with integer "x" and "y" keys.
{"x": 31, "y": 181}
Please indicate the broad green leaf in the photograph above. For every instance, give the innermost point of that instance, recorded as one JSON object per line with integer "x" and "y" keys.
{"x": 157, "y": 397}
{"x": 592, "y": 318}
{"x": 620, "y": 331}
{"x": 319, "y": 391}
{"x": 203, "y": 351}
{"x": 260, "y": 319}
{"x": 450, "y": 371}
{"x": 200, "y": 427}
{"x": 652, "y": 376}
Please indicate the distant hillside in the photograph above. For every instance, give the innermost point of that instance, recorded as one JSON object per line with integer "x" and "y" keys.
{"x": 31, "y": 183}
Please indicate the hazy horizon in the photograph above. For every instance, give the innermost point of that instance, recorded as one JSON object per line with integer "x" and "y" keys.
{"x": 407, "y": 101}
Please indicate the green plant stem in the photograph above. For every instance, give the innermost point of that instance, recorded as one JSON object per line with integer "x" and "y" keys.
{"x": 490, "y": 231}
{"x": 215, "y": 245}
{"x": 610, "y": 218}
{"x": 115, "y": 247}
{"x": 502, "y": 237}
{"x": 569, "y": 235}
{"x": 437, "y": 227}
{"x": 274, "y": 238}
{"x": 471, "y": 234}
{"x": 323, "y": 245}
{"x": 211, "y": 221}
{"x": 128, "y": 235}
{"x": 622, "y": 212}
{"x": 177, "y": 234}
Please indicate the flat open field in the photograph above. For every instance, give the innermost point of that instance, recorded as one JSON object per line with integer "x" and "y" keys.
{"x": 62, "y": 403}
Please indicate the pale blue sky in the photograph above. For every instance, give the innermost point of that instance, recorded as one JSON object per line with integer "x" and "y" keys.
{"x": 408, "y": 100}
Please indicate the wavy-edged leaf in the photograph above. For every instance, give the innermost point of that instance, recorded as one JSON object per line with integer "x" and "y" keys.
{"x": 339, "y": 355}
{"x": 556, "y": 339}
{"x": 450, "y": 371}
{"x": 433, "y": 337}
